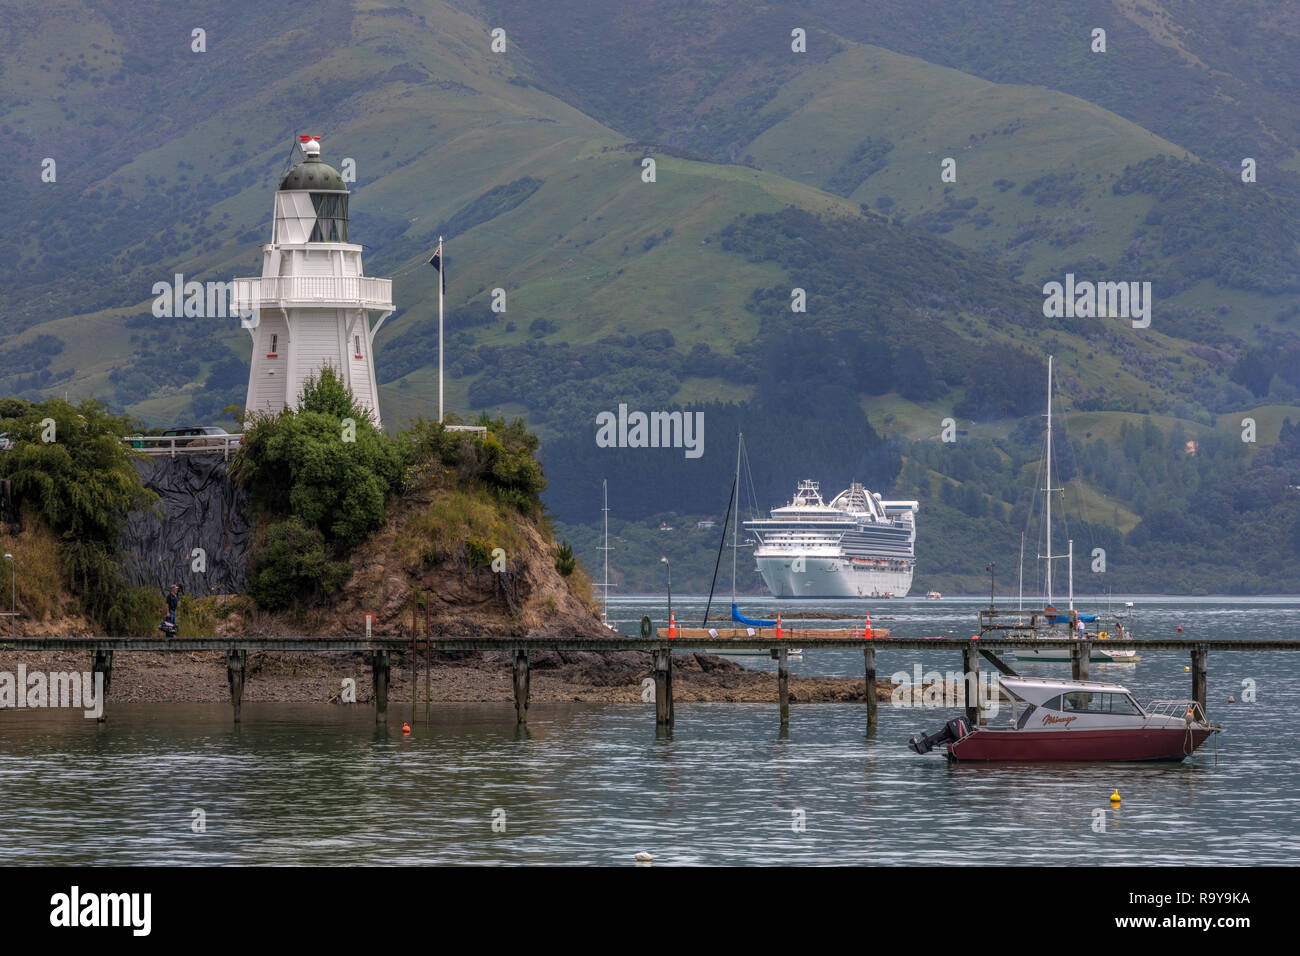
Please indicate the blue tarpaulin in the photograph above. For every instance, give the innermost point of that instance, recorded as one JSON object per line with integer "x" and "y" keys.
{"x": 740, "y": 618}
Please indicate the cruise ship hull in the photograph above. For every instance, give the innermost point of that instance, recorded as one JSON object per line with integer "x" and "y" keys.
{"x": 831, "y": 578}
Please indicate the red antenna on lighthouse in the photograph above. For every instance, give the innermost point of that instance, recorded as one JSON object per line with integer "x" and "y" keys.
{"x": 302, "y": 141}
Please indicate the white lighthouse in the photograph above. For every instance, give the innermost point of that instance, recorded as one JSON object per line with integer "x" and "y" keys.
{"x": 312, "y": 305}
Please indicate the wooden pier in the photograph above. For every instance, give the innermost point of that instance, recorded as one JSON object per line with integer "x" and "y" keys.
{"x": 380, "y": 649}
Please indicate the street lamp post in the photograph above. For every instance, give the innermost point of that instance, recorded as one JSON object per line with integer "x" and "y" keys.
{"x": 13, "y": 597}
{"x": 664, "y": 560}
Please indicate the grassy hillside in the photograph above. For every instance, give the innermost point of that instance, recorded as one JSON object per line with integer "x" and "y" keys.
{"x": 1052, "y": 142}
{"x": 1208, "y": 76}
{"x": 774, "y": 172}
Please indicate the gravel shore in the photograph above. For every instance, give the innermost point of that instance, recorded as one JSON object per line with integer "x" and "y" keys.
{"x": 200, "y": 676}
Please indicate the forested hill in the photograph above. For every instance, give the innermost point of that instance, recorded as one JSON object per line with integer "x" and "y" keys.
{"x": 840, "y": 249}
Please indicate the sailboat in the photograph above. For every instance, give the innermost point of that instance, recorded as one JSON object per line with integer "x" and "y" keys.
{"x": 750, "y": 626}
{"x": 1061, "y": 626}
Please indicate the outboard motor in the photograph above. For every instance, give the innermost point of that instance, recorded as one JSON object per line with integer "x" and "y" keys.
{"x": 951, "y": 732}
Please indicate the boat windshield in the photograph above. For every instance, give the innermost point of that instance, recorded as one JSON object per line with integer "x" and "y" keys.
{"x": 1092, "y": 702}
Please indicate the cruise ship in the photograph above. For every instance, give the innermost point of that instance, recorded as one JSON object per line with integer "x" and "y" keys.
{"x": 858, "y": 546}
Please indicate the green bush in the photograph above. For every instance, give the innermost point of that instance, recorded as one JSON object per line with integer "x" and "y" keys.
{"x": 565, "y": 562}
{"x": 296, "y": 568}
{"x": 503, "y": 460}
{"x": 309, "y": 464}
{"x": 480, "y": 552}
{"x": 133, "y": 611}
{"x": 81, "y": 483}
{"x": 326, "y": 465}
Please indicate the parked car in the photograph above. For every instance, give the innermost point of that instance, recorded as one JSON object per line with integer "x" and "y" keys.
{"x": 198, "y": 436}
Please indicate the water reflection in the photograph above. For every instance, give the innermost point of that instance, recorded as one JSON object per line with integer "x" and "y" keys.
{"x": 318, "y": 785}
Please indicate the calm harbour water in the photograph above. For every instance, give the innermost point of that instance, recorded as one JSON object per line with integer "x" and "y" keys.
{"x": 592, "y": 784}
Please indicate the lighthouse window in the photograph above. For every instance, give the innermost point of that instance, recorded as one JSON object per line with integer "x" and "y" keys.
{"x": 356, "y": 346}
{"x": 331, "y": 217}
{"x": 275, "y": 340}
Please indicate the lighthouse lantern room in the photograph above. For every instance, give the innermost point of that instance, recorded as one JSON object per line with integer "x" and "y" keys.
{"x": 312, "y": 305}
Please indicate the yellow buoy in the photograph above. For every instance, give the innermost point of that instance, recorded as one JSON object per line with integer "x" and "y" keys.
{"x": 1186, "y": 668}
{"x": 1114, "y": 797}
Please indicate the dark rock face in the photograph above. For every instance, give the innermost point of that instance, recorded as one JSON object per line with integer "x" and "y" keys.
{"x": 199, "y": 507}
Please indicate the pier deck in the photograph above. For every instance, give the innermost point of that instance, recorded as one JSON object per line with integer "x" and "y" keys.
{"x": 381, "y": 648}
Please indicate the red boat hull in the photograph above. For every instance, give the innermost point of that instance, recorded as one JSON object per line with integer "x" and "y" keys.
{"x": 1060, "y": 745}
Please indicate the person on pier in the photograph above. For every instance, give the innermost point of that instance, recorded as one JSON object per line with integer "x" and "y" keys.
{"x": 168, "y": 626}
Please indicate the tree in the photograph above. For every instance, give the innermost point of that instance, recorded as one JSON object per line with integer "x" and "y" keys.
{"x": 296, "y": 567}
{"x": 69, "y": 465}
{"x": 326, "y": 472}
{"x": 915, "y": 377}
{"x": 324, "y": 463}
{"x": 1253, "y": 370}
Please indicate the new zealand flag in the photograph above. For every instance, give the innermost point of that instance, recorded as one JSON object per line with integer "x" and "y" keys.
{"x": 436, "y": 262}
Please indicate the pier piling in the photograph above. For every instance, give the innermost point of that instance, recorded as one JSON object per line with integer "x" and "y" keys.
{"x": 663, "y": 687}
{"x": 103, "y": 664}
{"x": 236, "y": 668}
{"x": 380, "y": 649}
{"x": 970, "y": 666}
{"x": 379, "y": 671}
{"x": 519, "y": 659}
{"x": 782, "y": 655}
{"x": 869, "y": 659}
{"x": 1200, "y": 665}
{"x": 1080, "y": 659}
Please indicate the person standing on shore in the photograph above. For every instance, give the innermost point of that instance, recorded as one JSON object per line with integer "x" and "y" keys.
{"x": 172, "y": 602}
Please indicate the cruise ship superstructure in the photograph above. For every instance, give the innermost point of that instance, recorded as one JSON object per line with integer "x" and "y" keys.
{"x": 858, "y": 546}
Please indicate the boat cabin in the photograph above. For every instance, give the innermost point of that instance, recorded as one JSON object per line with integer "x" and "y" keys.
{"x": 1042, "y": 704}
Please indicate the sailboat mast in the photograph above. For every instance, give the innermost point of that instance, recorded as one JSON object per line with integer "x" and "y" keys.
{"x": 735, "y": 528}
{"x": 1071, "y": 574}
{"x": 1022, "y": 571}
{"x": 1048, "y": 489}
{"x": 604, "y": 611}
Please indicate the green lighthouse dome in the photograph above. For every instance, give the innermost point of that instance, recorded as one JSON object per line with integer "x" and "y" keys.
{"x": 329, "y": 196}
{"x": 312, "y": 174}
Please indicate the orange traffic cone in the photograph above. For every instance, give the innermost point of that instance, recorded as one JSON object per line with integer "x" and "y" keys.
{"x": 672, "y": 625}
{"x": 779, "y": 635}
{"x": 866, "y": 629}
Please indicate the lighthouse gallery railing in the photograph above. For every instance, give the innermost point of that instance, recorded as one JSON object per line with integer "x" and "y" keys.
{"x": 365, "y": 291}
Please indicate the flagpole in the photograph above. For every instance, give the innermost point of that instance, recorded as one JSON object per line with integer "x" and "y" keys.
{"x": 441, "y": 266}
